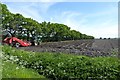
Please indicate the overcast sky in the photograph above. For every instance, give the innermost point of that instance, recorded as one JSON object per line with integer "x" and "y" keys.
{"x": 99, "y": 19}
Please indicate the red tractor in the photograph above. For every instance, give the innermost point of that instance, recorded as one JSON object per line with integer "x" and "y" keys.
{"x": 13, "y": 41}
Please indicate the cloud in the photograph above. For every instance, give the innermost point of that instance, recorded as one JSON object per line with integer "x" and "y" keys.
{"x": 101, "y": 30}
{"x": 100, "y": 24}
{"x": 44, "y": 6}
{"x": 26, "y": 11}
{"x": 31, "y": 9}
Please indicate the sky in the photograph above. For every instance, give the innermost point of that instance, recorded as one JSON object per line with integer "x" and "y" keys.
{"x": 99, "y": 19}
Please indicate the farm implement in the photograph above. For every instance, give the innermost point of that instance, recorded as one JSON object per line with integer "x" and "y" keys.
{"x": 15, "y": 42}
{"x": 9, "y": 39}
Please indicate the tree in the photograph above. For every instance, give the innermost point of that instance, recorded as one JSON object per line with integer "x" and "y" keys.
{"x": 31, "y": 30}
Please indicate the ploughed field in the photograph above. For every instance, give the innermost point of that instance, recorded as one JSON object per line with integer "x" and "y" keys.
{"x": 97, "y": 47}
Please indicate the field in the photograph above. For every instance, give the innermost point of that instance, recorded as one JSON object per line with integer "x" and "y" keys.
{"x": 93, "y": 48}
{"x": 63, "y": 60}
{"x": 81, "y": 58}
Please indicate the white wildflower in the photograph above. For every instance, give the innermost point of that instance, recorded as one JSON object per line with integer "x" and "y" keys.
{"x": 20, "y": 63}
{"x": 17, "y": 59}
{"x": 11, "y": 58}
{"x": 35, "y": 67}
{"x": 17, "y": 67}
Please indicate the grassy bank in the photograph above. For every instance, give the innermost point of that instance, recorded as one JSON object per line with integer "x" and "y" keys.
{"x": 65, "y": 66}
{"x": 12, "y": 70}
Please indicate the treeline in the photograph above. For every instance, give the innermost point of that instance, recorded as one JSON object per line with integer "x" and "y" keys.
{"x": 29, "y": 29}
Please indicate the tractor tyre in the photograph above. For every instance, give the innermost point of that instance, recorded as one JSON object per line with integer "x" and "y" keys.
{"x": 17, "y": 45}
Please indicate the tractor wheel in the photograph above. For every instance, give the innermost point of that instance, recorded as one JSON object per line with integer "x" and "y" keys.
{"x": 17, "y": 45}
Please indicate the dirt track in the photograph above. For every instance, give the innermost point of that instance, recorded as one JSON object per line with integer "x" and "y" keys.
{"x": 79, "y": 47}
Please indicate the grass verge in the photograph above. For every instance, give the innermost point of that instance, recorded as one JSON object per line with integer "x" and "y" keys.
{"x": 12, "y": 70}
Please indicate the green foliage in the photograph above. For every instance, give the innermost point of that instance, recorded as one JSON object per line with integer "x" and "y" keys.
{"x": 66, "y": 66}
{"x": 20, "y": 26}
{"x": 12, "y": 70}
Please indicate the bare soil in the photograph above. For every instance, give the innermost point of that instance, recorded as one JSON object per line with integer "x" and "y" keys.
{"x": 78, "y": 47}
